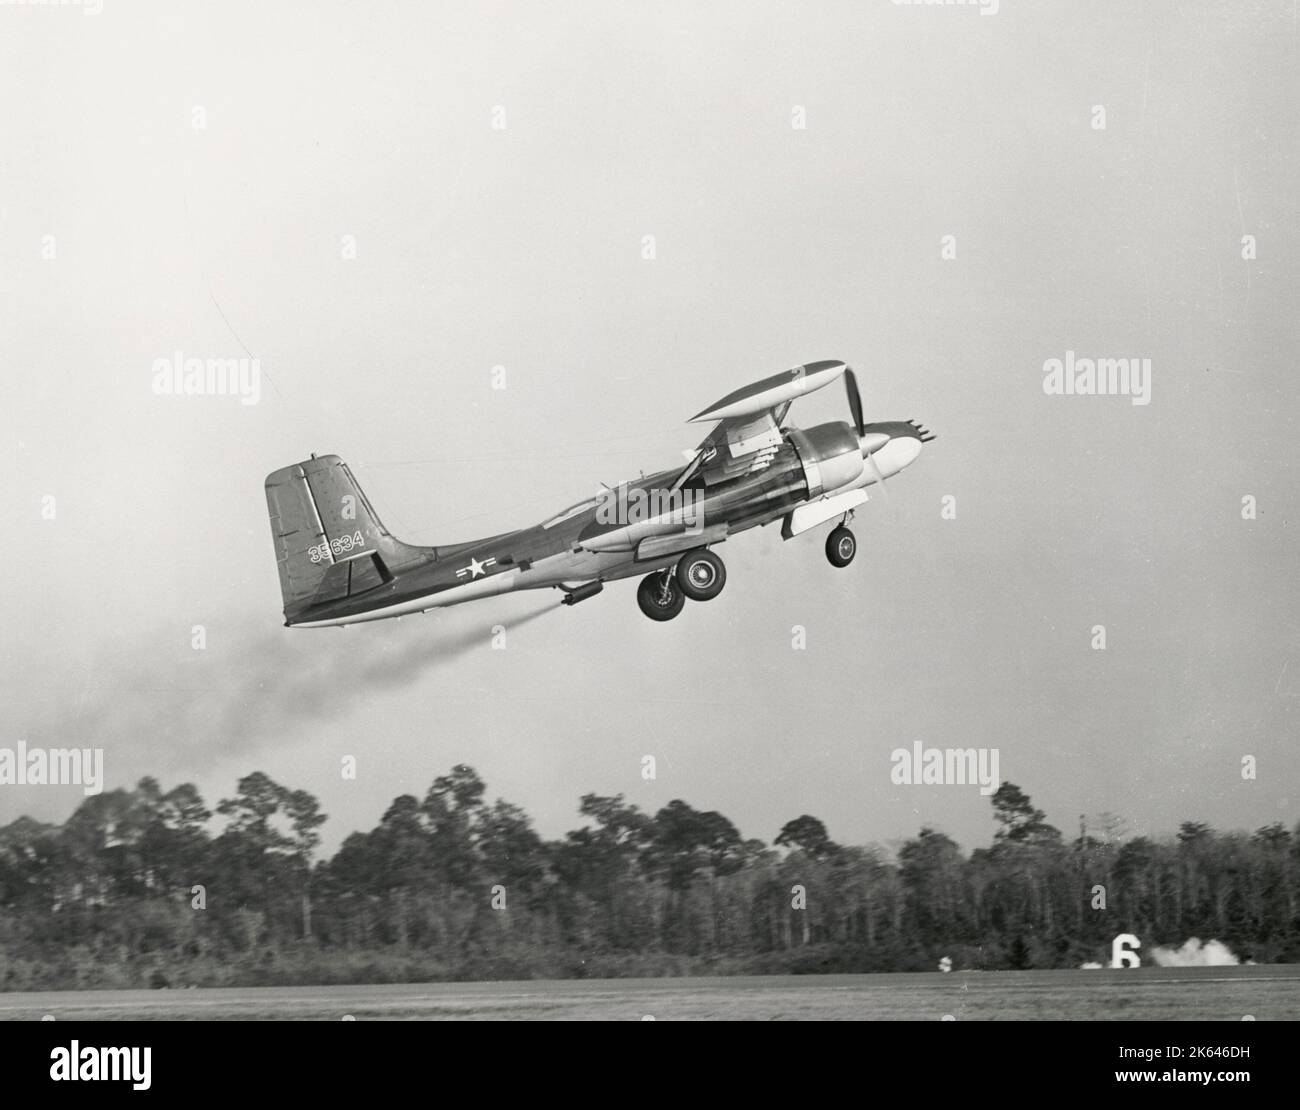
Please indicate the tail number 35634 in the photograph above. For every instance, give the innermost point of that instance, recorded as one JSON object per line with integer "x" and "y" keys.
{"x": 337, "y": 546}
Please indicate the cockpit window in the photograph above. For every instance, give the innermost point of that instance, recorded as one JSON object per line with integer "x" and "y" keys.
{"x": 574, "y": 510}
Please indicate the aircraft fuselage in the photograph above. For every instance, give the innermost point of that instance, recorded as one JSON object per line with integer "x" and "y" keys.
{"x": 635, "y": 529}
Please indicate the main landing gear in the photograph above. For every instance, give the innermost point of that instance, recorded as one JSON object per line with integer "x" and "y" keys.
{"x": 700, "y": 575}
{"x": 659, "y": 596}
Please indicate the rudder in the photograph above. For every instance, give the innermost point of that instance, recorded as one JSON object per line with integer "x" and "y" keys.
{"x": 329, "y": 542}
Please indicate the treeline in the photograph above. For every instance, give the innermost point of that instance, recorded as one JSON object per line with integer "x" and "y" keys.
{"x": 137, "y": 889}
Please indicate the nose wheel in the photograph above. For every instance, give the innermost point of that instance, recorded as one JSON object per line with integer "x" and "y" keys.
{"x": 659, "y": 596}
{"x": 841, "y": 546}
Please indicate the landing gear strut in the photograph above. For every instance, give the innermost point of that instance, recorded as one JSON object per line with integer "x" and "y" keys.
{"x": 659, "y": 596}
{"x": 841, "y": 546}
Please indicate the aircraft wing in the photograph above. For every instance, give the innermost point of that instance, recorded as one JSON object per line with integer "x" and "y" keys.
{"x": 748, "y": 431}
{"x": 737, "y": 445}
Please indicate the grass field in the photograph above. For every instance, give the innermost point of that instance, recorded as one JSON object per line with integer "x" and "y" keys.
{"x": 1268, "y": 993}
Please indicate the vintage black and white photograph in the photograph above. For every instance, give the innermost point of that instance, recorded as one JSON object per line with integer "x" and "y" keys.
{"x": 587, "y": 511}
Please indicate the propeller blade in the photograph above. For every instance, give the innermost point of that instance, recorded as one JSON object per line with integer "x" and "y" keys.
{"x": 875, "y": 469}
{"x": 855, "y": 399}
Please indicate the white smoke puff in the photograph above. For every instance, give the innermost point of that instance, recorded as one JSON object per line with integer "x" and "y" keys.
{"x": 1193, "y": 953}
{"x": 1090, "y": 967}
{"x": 945, "y": 964}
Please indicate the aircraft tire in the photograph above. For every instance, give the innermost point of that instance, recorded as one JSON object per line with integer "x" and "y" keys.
{"x": 655, "y": 604}
{"x": 841, "y": 546}
{"x": 701, "y": 574}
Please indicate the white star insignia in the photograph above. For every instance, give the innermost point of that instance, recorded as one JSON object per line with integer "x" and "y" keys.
{"x": 475, "y": 568}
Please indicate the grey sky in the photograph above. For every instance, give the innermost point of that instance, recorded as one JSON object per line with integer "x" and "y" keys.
{"x": 522, "y": 248}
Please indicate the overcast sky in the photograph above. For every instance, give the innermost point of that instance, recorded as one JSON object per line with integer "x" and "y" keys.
{"x": 774, "y": 245}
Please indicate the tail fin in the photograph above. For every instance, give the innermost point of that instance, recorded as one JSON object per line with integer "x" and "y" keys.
{"x": 329, "y": 542}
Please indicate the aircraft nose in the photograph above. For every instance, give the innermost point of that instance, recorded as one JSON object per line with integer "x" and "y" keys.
{"x": 894, "y": 446}
{"x": 873, "y": 441}
{"x": 899, "y": 452}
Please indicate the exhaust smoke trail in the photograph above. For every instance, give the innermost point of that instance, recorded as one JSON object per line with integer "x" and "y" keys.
{"x": 239, "y": 695}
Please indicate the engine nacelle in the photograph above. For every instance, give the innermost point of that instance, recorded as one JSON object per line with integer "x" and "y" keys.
{"x": 831, "y": 455}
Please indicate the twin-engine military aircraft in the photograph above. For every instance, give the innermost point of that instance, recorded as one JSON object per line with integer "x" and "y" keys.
{"x": 339, "y": 565}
